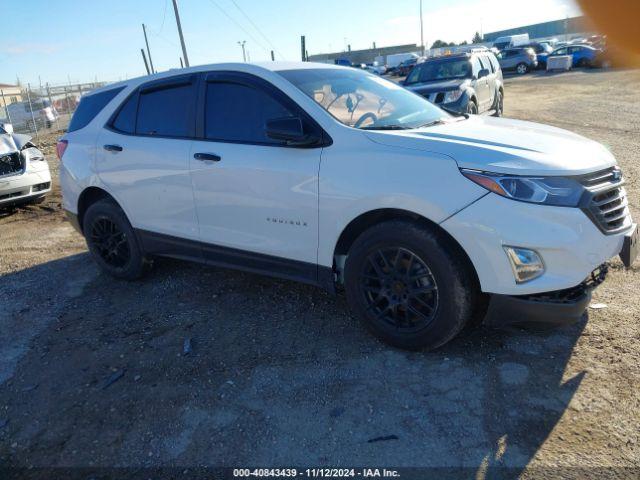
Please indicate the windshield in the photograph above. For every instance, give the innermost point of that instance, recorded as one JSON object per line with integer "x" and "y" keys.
{"x": 440, "y": 70}
{"x": 361, "y": 100}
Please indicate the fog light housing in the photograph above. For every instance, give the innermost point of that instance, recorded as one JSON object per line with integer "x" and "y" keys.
{"x": 526, "y": 264}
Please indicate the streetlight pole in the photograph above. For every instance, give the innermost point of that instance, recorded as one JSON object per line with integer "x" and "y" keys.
{"x": 244, "y": 53}
{"x": 421, "y": 30}
{"x": 146, "y": 41}
{"x": 184, "y": 49}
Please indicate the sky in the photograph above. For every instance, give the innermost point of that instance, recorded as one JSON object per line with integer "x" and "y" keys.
{"x": 85, "y": 40}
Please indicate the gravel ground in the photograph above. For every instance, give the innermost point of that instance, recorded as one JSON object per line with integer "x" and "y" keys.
{"x": 205, "y": 367}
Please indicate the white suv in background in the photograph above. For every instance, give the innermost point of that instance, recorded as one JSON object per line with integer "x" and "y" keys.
{"x": 339, "y": 178}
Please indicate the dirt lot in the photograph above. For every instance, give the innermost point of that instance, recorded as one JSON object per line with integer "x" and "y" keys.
{"x": 94, "y": 372}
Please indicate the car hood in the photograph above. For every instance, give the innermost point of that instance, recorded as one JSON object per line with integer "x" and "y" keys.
{"x": 430, "y": 87}
{"x": 504, "y": 146}
{"x": 7, "y": 144}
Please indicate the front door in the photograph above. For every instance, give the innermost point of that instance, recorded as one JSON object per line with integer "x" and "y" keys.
{"x": 256, "y": 198}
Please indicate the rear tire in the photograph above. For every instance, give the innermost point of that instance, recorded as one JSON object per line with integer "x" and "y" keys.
{"x": 112, "y": 241}
{"x": 409, "y": 285}
{"x": 522, "y": 68}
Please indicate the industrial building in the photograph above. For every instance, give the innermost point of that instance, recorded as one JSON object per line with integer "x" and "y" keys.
{"x": 363, "y": 56}
{"x": 571, "y": 27}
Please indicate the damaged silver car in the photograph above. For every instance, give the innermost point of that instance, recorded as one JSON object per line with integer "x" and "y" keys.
{"x": 24, "y": 172}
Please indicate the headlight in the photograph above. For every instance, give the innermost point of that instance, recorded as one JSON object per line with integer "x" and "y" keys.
{"x": 32, "y": 154}
{"x": 558, "y": 191}
{"x": 452, "y": 96}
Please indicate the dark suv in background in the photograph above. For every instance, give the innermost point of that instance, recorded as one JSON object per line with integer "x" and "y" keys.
{"x": 467, "y": 82}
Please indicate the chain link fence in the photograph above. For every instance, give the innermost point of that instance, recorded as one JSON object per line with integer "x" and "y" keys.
{"x": 42, "y": 111}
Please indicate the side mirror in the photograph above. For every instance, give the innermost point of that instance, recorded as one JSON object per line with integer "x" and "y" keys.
{"x": 7, "y": 127}
{"x": 289, "y": 130}
{"x": 483, "y": 73}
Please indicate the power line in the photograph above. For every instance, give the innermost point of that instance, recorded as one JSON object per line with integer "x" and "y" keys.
{"x": 239, "y": 26}
{"x": 164, "y": 16}
{"x": 257, "y": 29}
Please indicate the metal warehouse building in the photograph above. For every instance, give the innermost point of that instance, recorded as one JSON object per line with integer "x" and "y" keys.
{"x": 556, "y": 28}
{"x": 363, "y": 56}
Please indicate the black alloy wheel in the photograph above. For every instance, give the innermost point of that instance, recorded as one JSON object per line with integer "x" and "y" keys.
{"x": 110, "y": 242}
{"x": 399, "y": 289}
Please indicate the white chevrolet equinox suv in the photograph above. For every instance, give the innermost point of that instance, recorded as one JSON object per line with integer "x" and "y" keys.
{"x": 335, "y": 177}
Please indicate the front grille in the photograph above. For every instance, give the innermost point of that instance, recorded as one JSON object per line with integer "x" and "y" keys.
{"x": 606, "y": 201}
{"x": 436, "y": 97}
{"x": 12, "y": 195}
{"x": 41, "y": 186}
{"x": 10, "y": 164}
{"x": 574, "y": 294}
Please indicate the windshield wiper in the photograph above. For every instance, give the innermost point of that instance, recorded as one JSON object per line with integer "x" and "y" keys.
{"x": 385, "y": 127}
{"x": 434, "y": 122}
{"x": 455, "y": 113}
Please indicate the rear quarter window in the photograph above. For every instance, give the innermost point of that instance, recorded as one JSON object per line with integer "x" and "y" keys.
{"x": 90, "y": 106}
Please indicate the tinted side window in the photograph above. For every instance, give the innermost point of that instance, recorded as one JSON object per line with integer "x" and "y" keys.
{"x": 125, "y": 121}
{"x": 166, "y": 111}
{"x": 487, "y": 63}
{"x": 238, "y": 113}
{"x": 90, "y": 106}
{"x": 476, "y": 65}
{"x": 494, "y": 62}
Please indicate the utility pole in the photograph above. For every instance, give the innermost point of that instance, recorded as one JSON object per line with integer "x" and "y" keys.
{"x": 6, "y": 110}
{"x": 273, "y": 58}
{"x": 144, "y": 29}
{"x": 303, "y": 47}
{"x": 244, "y": 52}
{"x": 181, "y": 64}
{"x": 421, "y": 30}
{"x": 144, "y": 58}
{"x": 184, "y": 49}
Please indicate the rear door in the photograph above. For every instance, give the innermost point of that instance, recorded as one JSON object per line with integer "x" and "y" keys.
{"x": 143, "y": 157}
{"x": 491, "y": 79}
{"x": 256, "y": 198}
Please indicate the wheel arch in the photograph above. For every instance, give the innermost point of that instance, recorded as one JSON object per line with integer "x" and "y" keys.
{"x": 471, "y": 95}
{"x": 88, "y": 197}
{"x": 364, "y": 221}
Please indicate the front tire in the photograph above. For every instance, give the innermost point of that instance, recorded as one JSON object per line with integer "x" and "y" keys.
{"x": 112, "y": 241}
{"x": 409, "y": 285}
{"x": 522, "y": 68}
{"x": 499, "y": 105}
{"x": 472, "y": 108}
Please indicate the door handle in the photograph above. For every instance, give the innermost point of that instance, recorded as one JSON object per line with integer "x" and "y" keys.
{"x": 203, "y": 157}
{"x": 113, "y": 148}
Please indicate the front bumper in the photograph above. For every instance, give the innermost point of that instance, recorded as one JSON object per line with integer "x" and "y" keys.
{"x": 569, "y": 243}
{"x": 563, "y": 307}
{"x": 33, "y": 183}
